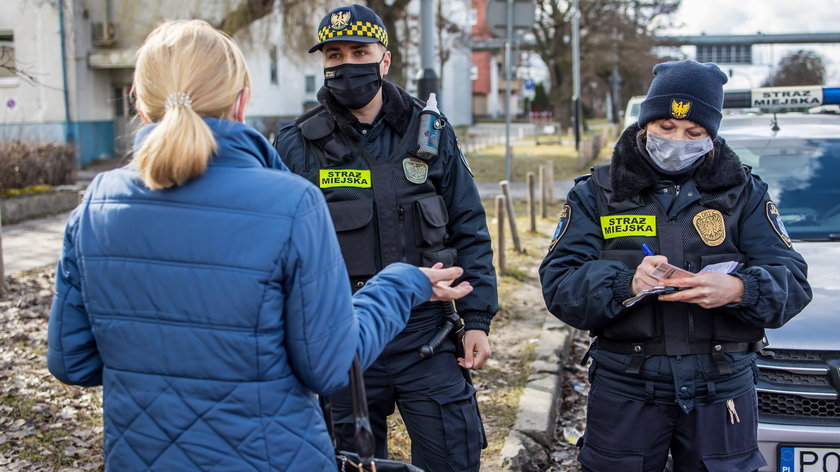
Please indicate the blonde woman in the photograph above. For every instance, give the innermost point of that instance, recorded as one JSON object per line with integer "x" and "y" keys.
{"x": 206, "y": 292}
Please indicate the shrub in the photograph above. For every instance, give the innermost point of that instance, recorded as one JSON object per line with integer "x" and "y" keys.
{"x": 25, "y": 165}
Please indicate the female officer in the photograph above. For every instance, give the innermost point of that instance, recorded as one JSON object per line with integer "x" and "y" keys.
{"x": 207, "y": 293}
{"x": 673, "y": 372}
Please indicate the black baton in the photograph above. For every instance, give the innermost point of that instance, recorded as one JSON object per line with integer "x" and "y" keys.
{"x": 451, "y": 323}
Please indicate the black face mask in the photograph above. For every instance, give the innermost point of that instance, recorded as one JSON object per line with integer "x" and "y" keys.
{"x": 353, "y": 85}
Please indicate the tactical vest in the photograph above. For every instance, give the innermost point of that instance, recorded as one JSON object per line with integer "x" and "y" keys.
{"x": 384, "y": 208}
{"x": 705, "y": 232}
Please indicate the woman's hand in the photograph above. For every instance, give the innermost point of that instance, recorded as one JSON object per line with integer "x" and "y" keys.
{"x": 442, "y": 280}
{"x": 707, "y": 289}
{"x": 642, "y": 279}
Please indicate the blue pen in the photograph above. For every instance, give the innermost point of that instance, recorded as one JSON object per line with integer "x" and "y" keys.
{"x": 647, "y": 251}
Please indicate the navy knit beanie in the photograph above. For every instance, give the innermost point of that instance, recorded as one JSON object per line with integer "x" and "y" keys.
{"x": 685, "y": 90}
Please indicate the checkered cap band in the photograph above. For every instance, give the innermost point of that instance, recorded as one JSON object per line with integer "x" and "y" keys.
{"x": 359, "y": 28}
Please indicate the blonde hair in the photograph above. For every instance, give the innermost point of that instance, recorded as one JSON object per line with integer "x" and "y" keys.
{"x": 186, "y": 71}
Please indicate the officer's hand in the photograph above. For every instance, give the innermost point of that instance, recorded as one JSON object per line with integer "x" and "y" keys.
{"x": 642, "y": 279}
{"x": 707, "y": 289}
{"x": 442, "y": 280}
{"x": 476, "y": 350}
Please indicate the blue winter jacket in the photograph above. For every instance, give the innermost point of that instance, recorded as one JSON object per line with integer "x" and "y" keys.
{"x": 212, "y": 313}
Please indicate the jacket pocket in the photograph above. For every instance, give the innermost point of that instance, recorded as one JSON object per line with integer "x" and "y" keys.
{"x": 630, "y": 258}
{"x": 463, "y": 432}
{"x": 353, "y": 221}
{"x": 595, "y": 458}
{"x": 431, "y": 221}
{"x": 718, "y": 258}
{"x": 747, "y": 461}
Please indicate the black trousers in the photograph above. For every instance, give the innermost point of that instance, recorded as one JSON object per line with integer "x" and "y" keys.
{"x": 632, "y": 435}
{"x": 436, "y": 403}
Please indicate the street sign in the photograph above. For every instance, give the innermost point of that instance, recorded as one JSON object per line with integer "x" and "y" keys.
{"x": 523, "y": 16}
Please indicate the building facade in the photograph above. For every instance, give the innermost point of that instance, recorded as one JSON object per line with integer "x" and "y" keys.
{"x": 68, "y": 70}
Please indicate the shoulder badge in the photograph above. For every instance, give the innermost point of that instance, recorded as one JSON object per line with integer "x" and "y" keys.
{"x": 680, "y": 109}
{"x": 340, "y": 19}
{"x": 776, "y": 221}
{"x": 416, "y": 171}
{"x": 710, "y": 226}
{"x": 463, "y": 156}
{"x": 562, "y": 225}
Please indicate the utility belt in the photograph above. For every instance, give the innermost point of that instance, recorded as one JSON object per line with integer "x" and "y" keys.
{"x": 638, "y": 351}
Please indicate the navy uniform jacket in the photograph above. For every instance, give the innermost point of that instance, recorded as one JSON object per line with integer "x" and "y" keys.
{"x": 467, "y": 227}
{"x": 586, "y": 292}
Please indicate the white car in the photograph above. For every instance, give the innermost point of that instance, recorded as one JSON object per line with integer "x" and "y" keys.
{"x": 798, "y": 156}
{"x": 631, "y": 113}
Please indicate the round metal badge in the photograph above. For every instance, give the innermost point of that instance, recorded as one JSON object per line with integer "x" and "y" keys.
{"x": 416, "y": 171}
{"x": 710, "y": 226}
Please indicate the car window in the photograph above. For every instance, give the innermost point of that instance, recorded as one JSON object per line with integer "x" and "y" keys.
{"x": 802, "y": 175}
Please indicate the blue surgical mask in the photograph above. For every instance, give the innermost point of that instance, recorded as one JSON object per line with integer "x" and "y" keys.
{"x": 672, "y": 155}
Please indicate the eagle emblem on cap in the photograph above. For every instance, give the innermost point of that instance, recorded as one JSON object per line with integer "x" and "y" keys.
{"x": 679, "y": 109}
{"x": 339, "y": 20}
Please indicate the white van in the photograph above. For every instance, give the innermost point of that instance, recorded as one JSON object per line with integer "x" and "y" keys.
{"x": 631, "y": 113}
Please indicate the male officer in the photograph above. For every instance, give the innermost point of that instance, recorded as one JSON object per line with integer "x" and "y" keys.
{"x": 390, "y": 204}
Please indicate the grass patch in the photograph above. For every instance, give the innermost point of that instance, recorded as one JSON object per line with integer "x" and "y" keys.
{"x": 488, "y": 164}
{"x": 25, "y": 191}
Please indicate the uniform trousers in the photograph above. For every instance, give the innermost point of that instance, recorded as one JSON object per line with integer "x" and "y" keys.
{"x": 436, "y": 403}
{"x": 635, "y": 436}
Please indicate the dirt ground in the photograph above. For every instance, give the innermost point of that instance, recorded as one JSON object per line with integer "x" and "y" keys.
{"x": 48, "y": 426}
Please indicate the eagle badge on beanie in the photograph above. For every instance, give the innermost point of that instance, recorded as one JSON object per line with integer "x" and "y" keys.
{"x": 679, "y": 110}
{"x": 685, "y": 90}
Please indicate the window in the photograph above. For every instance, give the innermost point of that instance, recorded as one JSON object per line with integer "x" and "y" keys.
{"x": 272, "y": 67}
{"x": 123, "y": 101}
{"x": 725, "y": 53}
{"x": 7, "y": 59}
{"x": 310, "y": 83}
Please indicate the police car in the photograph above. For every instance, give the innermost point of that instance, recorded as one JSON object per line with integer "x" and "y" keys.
{"x": 798, "y": 154}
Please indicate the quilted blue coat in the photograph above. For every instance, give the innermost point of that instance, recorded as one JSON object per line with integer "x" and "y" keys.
{"x": 212, "y": 313}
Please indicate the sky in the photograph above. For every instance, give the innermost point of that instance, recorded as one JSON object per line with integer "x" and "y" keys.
{"x": 768, "y": 17}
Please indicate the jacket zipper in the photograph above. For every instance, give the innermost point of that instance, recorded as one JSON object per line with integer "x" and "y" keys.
{"x": 401, "y": 213}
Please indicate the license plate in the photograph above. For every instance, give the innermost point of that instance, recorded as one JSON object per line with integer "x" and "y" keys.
{"x": 809, "y": 458}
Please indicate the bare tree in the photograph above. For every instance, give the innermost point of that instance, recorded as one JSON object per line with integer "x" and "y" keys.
{"x": 392, "y": 12}
{"x": 802, "y": 67}
{"x": 300, "y": 21}
{"x": 613, "y": 33}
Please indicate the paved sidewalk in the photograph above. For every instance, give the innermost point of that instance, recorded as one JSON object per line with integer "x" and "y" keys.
{"x": 33, "y": 243}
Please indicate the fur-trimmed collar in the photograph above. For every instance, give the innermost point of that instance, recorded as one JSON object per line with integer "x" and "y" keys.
{"x": 396, "y": 108}
{"x": 630, "y": 172}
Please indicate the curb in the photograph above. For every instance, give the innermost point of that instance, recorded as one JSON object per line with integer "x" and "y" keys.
{"x": 528, "y": 444}
{"x": 18, "y": 208}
